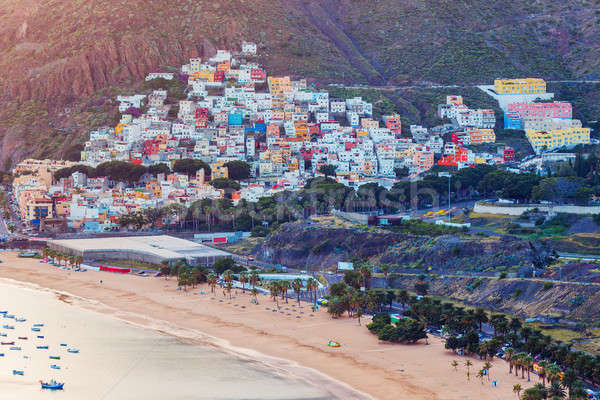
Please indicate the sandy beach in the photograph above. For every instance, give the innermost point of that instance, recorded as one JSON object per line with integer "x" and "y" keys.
{"x": 293, "y": 339}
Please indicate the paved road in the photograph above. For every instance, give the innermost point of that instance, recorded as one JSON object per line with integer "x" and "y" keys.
{"x": 576, "y": 256}
{"x": 433, "y": 86}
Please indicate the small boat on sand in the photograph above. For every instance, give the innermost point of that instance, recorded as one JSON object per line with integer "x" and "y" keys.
{"x": 17, "y": 348}
{"x": 17, "y": 372}
{"x": 7, "y": 343}
{"x": 1, "y": 354}
{"x": 20, "y": 320}
{"x": 42, "y": 347}
{"x": 3, "y": 334}
{"x": 40, "y": 337}
{"x": 35, "y": 329}
{"x": 54, "y": 366}
{"x": 8, "y": 327}
{"x": 22, "y": 338}
{"x": 38, "y": 325}
{"x": 52, "y": 385}
{"x": 74, "y": 351}
{"x": 55, "y": 357}
{"x": 63, "y": 345}
{"x": 9, "y": 316}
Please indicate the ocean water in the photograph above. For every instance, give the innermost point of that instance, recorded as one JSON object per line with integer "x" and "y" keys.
{"x": 121, "y": 361}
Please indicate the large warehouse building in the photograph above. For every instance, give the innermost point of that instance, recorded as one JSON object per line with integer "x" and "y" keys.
{"x": 150, "y": 249}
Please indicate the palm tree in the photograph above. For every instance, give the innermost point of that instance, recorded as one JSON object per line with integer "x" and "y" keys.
{"x": 284, "y": 286}
{"x": 454, "y": 363}
{"x": 517, "y": 389}
{"x": 385, "y": 268}
{"x": 556, "y": 390}
{"x": 403, "y": 297}
{"x": 254, "y": 293}
{"x": 228, "y": 287}
{"x": 480, "y": 317}
{"x": 211, "y": 279}
{"x": 79, "y": 260}
{"x": 487, "y": 366}
{"x": 509, "y": 355}
{"x": 468, "y": 364}
{"x": 297, "y": 286}
{"x": 311, "y": 287}
{"x": 243, "y": 278}
{"x": 543, "y": 365}
{"x": 254, "y": 278}
{"x": 274, "y": 289}
{"x": 480, "y": 375}
{"x": 528, "y": 363}
{"x": 228, "y": 276}
{"x": 366, "y": 271}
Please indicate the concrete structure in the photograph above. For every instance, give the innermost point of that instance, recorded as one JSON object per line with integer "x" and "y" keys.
{"x": 505, "y": 99}
{"x": 151, "y": 249}
{"x": 520, "y": 86}
{"x": 518, "y": 209}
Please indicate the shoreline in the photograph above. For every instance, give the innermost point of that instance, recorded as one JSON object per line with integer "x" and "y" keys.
{"x": 363, "y": 368}
{"x": 280, "y": 366}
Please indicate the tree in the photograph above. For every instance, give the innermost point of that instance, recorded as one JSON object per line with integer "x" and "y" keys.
{"x": 480, "y": 317}
{"x": 190, "y": 166}
{"x": 223, "y": 264}
{"x": 160, "y": 168}
{"x": 243, "y": 278}
{"x": 254, "y": 293}
{"x": 385, "y": 268}
{"x": 454, "y": 364}
{"x": 328, "y": 170}
{"x": 517, "y": 389}
{"x": 165, "y": 269}
{"x": 212, "y": 281}
{"x": 254, "y": 279}
{"x": 297, "y": 286}
{"x": 312, "y": 286}
{"x": 487, "y": 366}
{"x": 238, "y": 170}
{"x": 569, "y": 379}
{"x": 226, "y": 184}
{"x": 556, "y": 390}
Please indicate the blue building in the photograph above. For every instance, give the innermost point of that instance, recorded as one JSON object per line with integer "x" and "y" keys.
{"x": 236, "y": 118}
{"x": 512, "y": 120}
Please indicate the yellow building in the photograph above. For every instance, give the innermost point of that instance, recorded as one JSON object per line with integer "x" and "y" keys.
{"x": 279, "y": 85}
{"x": 520, "y": 86}
{"x": 550, "y": 140}
{"x": 219, "y": 170}
{"x": 479, "y": 136}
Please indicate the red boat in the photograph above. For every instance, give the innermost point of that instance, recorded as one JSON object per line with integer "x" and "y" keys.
{"x": 8, "y": 343}
{"x": 22, "y": 337}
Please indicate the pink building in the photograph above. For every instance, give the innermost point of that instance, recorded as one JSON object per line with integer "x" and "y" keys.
{"x": 422, "y": 158}
{"x": 557, "y": 109}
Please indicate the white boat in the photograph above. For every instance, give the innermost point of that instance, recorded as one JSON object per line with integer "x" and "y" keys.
{"x": 74, "y": 351}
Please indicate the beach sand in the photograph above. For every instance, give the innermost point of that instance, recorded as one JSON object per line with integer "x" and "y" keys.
{"x": 119, "y": 361}
{"x": 279, "y": 340}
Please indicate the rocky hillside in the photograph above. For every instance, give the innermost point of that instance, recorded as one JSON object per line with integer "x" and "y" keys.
{"x": 525, "y": 298}
{"x": 315, "y": 248}
{"x": 62, "y": 61}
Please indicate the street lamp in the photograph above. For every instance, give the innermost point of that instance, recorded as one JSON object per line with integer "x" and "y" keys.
{"x": 449, "y": 175}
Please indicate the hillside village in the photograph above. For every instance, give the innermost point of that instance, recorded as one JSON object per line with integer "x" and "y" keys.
{"x": 255, "y": 135}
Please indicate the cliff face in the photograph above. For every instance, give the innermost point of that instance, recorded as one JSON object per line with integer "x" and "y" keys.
{"x": 56, "y": 55}
{"x": 524, "y": 298}
{"x": 313, "y": 248}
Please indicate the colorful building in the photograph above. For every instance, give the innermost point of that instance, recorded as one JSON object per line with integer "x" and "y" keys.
{"x": 520, "y": 86}
{"x": 549, "y": 140}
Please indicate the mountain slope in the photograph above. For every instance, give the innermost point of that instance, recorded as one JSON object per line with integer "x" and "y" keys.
{"x": 61, "y": 61}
